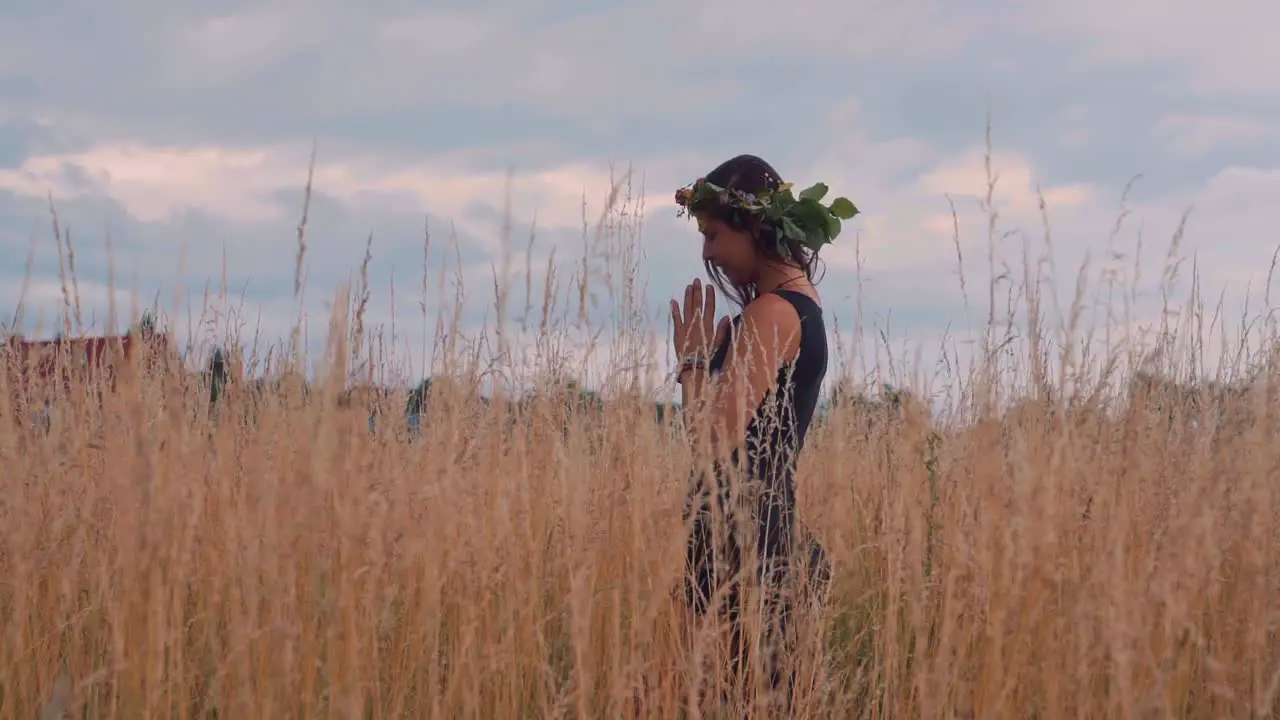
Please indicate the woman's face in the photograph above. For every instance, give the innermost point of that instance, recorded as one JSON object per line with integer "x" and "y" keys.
{"x": 733, "y": 251}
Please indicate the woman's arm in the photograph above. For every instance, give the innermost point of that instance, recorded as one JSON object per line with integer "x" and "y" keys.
{"x": 768, "y": 336}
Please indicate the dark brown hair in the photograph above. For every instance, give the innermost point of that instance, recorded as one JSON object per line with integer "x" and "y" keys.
{"x": 750, "y": 174}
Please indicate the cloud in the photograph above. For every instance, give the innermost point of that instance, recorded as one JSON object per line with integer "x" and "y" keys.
{"x": 312, "y": 65}
{"x": 245, "y": 185}
{"x": 1198, "y": 135}
{"x": 184, "y": 134}
{"x": 826, "y": 29}
{"x": 905, "y": 283}
{"x": 1212, "y": 46}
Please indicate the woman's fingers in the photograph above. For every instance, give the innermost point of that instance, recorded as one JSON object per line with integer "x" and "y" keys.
{"x": 698, "y": 315}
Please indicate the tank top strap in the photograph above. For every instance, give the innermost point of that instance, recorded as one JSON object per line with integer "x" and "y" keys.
{"x": 805, "y": 306}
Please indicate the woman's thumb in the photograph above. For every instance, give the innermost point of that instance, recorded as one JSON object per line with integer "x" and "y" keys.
{"x": 722, "y": 330}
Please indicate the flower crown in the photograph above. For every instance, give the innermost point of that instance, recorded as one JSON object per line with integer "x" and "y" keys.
{"x": 804, "y": 218}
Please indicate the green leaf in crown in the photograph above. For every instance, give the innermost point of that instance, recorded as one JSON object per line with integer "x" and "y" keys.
{"x": 803, "y": 218}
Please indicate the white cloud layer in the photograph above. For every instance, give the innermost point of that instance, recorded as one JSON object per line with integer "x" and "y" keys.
{"x": 185, "y": 134}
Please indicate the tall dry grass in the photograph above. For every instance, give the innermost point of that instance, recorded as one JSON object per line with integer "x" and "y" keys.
{"x": 1046, "y": 547}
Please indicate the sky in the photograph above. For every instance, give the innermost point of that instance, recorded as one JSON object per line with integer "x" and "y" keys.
{"x": 174, "y": 141}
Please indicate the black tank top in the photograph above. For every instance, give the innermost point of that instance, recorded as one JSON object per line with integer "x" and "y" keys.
{"x": 776, "y": 433}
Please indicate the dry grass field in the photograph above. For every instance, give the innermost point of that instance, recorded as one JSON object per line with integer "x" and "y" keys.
{"x": 1071, "y": 540}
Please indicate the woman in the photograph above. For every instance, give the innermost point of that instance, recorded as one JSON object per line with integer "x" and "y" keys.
{"x": 756, "y": 379}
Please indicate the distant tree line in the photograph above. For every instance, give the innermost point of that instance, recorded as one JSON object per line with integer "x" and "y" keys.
{"x": 572, "y": 398}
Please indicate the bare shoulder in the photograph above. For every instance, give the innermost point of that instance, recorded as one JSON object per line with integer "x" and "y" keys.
{"x": 771, "y": 315}
{"x": 770, "y": 306}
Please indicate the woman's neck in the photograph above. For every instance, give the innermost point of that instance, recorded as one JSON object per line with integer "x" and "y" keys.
{"x": 777, "y": 275}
